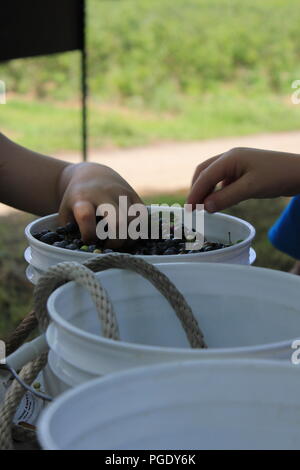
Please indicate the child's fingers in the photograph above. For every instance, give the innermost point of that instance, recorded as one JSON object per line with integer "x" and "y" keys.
{"x": 230, "y": 195}
{"x": 84, "y": 213}
{"x": 202, "y": 166}
{"x": 85, "y": 216}
{"x": 208, "y": 178}
{"x": 65, "y": 214}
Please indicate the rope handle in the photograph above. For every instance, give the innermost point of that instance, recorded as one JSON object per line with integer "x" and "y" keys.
{"x": 84, "y": 275}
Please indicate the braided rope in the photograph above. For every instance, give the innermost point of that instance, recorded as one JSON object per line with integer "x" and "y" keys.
{"x": 27, "y": 325}
{"x": 62, "y": 272}
{"x": 13, "y": 397}
{"x": 71, "y": 271}
{"x": 21, "y": 434}
{"x": 83, "y": 275}
{"x": 25, "y": 438}
{"x": 162, "y": 284}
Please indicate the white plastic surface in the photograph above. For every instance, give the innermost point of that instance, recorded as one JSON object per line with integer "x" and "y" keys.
{"x": 190, "y": 405}
{"x": 243, "y": 312}
{"x": 41, "y": 256}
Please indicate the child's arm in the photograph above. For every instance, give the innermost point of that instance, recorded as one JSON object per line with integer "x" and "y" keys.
{"x": 245, "y": 173}
{"x": 29, "y": 181}
{"x": 43, "y": 185}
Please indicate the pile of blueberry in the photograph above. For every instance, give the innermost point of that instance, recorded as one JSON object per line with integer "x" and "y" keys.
{"x": 69, "y": 237}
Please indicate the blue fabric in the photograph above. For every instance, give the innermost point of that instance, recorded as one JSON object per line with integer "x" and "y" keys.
{"x": 285, "y": 233}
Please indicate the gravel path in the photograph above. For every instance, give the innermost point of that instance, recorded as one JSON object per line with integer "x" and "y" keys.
{"x": 168, "y": 167}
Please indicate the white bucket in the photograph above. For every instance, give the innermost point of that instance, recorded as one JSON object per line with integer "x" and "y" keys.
{"x": 243, "y": 313}
{"x": 41, "y": 256}
{"x": 237, "y": 404}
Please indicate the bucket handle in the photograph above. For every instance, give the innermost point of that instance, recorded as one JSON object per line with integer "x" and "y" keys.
{"x": 84, "y": 275}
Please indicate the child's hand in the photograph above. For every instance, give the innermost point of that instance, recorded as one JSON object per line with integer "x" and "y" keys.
{"x": 83, "y": 188}
{"x": 244, "y": 173}
{"x": 42, "y": 185}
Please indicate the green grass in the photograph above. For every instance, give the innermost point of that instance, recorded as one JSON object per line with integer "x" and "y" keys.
{"x": 162, "y": 70}
{"x": 16, "y": 292}
{"x": 154, "y": 52}
{"x": 50, "y": 127}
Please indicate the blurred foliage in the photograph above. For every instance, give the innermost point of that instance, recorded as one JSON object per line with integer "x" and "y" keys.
{"x": 15, "y": 290}
{"x": 158, "y": 52}
{"x": 52, "y": 127}
{"x": 162, "y": 70}
{"x": 158, "y": 69}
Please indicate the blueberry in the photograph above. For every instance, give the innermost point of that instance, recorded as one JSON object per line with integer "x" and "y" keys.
{"x": 77, "y": 242}
{"x": 207, "y": 248}
{"x": 212, "y": 246}
{"x": 180, "y": 246}
{"x": 43, "y": 232}
{"x": 92, "y": 248}
{"x": 37, "y": 235}
{"x": 61, "y": 230}
{"x": 61, "y": 244}
{"x": 71, "y": 246}
{"x": 71, "y": 227}
{"x": 50, "y": 238}
{"x": 170, "y": 251}
{"x": 169, "y": 243}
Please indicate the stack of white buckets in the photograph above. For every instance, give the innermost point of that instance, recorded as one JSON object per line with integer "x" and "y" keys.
{"x": 219, "y": 397}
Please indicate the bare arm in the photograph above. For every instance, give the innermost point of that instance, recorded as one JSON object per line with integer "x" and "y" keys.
{"x": 43, "y": 185}
{"x": 29, "y": 181}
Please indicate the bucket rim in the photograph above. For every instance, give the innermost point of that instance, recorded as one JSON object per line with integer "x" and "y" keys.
{"x": 85, "y": 255}
{"x": 155, "y": 370}
{"x": 126, "y": 346}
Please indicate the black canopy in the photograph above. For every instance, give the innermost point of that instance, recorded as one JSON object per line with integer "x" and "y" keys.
{"x": 35, "y": 27}
{"x": 38, "y": 27}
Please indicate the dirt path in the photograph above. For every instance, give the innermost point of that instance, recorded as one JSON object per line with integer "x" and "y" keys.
{"x": 169, "y": 167}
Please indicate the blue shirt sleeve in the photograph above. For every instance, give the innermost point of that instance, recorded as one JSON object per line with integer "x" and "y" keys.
{"x": 285, "y": 233}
